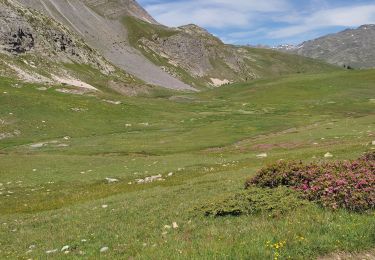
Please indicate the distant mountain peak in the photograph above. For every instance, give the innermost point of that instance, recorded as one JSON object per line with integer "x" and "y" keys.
{"x": 351, "y": 47}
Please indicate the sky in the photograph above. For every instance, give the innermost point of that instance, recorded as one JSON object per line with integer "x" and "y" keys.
{"x": 268, "y": 22}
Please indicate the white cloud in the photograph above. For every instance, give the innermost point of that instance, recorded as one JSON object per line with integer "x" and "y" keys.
{"x": 344, "y": 17}
{"x": 263, "y": 20}
{"x": 214, "y": 13}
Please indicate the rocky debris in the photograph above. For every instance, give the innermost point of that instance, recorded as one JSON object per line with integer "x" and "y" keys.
{"x": 112, "y": 102}
{"x": 65, "y": 248}
{"x": 328, "y": 155}
{"x": 262, "y": 155}
{"x": 62, "y": 145}
{"x": 219, "y": 82}
{"x": 51, "y": 251}
{"x": 111, "y": 180}
{"x": 104, "y": 249}
{"x": 78, "y": 109}
{"x": 373, "y": 142}
{"x": 38, "y": 145}
{"x": 150, "y": 179}
{"x": 15, "y": 133}
{"x": 104, "y": 206}
{"x": 174, "y": 226}
{"x": 54, "y": 143}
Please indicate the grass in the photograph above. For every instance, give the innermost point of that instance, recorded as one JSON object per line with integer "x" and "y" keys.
{"x": 52, "y": 196}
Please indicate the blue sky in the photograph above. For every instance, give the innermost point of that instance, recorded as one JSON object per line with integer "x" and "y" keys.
{"x": 271, "y": 22}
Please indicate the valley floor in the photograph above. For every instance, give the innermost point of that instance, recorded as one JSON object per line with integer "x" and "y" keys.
{"x": 56, "y": 151}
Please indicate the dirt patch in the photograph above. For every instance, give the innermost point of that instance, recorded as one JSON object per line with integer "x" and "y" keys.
{"x": 368, "y": 255}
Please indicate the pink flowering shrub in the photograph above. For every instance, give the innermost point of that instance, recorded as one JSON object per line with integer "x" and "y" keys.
{"x": 342, "y": 184}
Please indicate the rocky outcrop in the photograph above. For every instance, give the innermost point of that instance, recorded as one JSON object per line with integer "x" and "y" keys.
{"x": 198, "y": 52}
{"x": 23, "y": 31}
{"x": 16, "y": 34}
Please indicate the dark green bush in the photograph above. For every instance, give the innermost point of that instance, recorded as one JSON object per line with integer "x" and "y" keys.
{"x": 255, "y": 200}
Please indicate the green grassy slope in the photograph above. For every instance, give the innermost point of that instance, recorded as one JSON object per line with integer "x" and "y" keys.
{"x": 53, "y": 189}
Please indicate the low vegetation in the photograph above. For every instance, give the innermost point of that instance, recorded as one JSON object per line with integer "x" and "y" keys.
{"x": 342, "y": 184}
{"x": 255, "y": 200}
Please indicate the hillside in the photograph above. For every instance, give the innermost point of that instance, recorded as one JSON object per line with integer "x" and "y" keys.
{"x": 121, "y": 36}
{"x": 198, "y": 58}
{"x": 98, "y": 24}
{"x": 351, "y": 47}
{"x": 35, "y": 48}
{"x": 73, "y": 169}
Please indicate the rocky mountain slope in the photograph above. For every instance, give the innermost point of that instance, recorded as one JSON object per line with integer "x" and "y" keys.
{"x": 202, "y": 60}
{"x": 99, "y": 24}
{"x": 121, "y": 40}
{"x": 353, "y": 47}
{"x": 36, "y": 48}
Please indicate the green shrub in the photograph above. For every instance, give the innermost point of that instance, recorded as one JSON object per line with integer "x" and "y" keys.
{"x": 255, "y": 200}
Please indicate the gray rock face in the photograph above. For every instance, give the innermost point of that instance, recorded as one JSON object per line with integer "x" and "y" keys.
{"x": 23, "y": 31}
{"x": 99, "y": 23}
{"x": 16, "y": 34}
{"x": 352, "y": 47}
{"x": 198, "y": 52}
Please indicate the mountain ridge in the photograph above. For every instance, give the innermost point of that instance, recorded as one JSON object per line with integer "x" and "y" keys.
{"x": 350, "y": 48}
{"x": 121, "y": 35}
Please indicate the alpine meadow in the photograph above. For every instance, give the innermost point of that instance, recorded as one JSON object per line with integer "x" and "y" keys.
{"x": 123, "y": 138}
